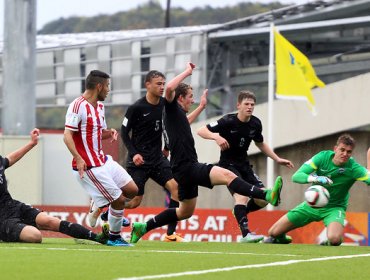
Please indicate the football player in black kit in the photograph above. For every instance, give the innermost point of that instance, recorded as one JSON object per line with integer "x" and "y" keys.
{"x": 234, "y": 133}
{"x": 146, "y": 159}
{"x": 143, "y": 121}
{"x": 187, "y": 171}
{"x": 20, "y": 222}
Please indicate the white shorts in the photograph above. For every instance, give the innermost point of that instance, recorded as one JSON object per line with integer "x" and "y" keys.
{"x": 104, "y": 183}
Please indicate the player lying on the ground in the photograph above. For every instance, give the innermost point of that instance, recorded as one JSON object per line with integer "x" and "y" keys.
{"x": 20, "y": 222}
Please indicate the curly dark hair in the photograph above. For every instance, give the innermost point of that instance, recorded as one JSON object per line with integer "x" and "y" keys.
{"x": 182, "y": 89}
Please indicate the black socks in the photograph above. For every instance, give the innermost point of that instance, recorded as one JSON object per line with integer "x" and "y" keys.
{"x": 240, "y": 213}
{"x": 166, "y": 217}
{"x": 76, "y": 231}
{"x": 242, "y": 187}
{"x": 172, "y": 226}
{"x": 252, "y": 206}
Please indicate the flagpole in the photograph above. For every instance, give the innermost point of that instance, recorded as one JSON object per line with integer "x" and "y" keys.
{"x": 270, "y": 112}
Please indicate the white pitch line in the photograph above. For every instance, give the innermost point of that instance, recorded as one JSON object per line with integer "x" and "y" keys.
{"x": 282, "y": 263}
{"x": 146, "y": 251}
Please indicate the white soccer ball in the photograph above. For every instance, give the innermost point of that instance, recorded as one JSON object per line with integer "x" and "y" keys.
{"x": 317, "y": 196}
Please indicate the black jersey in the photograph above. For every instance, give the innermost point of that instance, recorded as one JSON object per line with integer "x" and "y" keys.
{"x": 178, "y": 135}
{"x": 4, "y": 193}
{"x": 239, "y": 135}
{"x": 144, "y": 121}
{"x": 7, "y": 204}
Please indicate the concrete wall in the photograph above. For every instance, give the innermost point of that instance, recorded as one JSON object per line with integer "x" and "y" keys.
{"x": 25, "y": 179}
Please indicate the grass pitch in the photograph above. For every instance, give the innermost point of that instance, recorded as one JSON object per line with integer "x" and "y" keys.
{"x": 64, "y": 259}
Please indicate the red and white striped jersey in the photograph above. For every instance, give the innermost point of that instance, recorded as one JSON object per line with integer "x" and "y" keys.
{"x": 88, "y": 123}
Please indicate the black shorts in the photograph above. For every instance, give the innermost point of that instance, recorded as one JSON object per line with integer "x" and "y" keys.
{"x": 14, "y": 218}
{"x": 191, "y": 175}
{"x": 160, "y": 173}
{"x": 243, "y": 171}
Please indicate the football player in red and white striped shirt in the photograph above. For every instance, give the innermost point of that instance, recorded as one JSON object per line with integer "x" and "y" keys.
{"x": 103, "y": 178}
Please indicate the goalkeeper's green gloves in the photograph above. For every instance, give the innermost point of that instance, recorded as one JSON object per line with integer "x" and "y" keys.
{"x": 323, "y": 180}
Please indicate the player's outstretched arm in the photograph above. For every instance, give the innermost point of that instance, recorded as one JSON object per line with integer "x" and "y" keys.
{"x": 205, "y": 133}
{"x": 202, "y": 105}
{"x": 18, "y": 154}
{"x": 174, "y": 83}
{"x": 270, "y": 153}
{"x": 301, "y": 175}
{"x": 305, "y": 174}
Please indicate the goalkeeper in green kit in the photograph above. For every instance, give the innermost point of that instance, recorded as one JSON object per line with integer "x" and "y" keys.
{"x": 337, "y": 171}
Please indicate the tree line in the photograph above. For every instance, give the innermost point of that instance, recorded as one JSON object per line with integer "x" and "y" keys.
{"x": 152, "y": 15}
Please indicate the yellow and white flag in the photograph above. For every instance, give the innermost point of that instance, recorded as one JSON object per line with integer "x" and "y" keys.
{"x": 295, "y": 76}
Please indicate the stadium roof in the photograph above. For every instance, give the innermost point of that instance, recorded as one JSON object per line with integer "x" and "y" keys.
{"x": 318, "y": 10}
{"x": 74, "y": 39}
{"x": 327, "y": 25}
{"x": 312, "y": 11}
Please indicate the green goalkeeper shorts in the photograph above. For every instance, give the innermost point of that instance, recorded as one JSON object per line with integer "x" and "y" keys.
{"x": 304, "y": 214}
